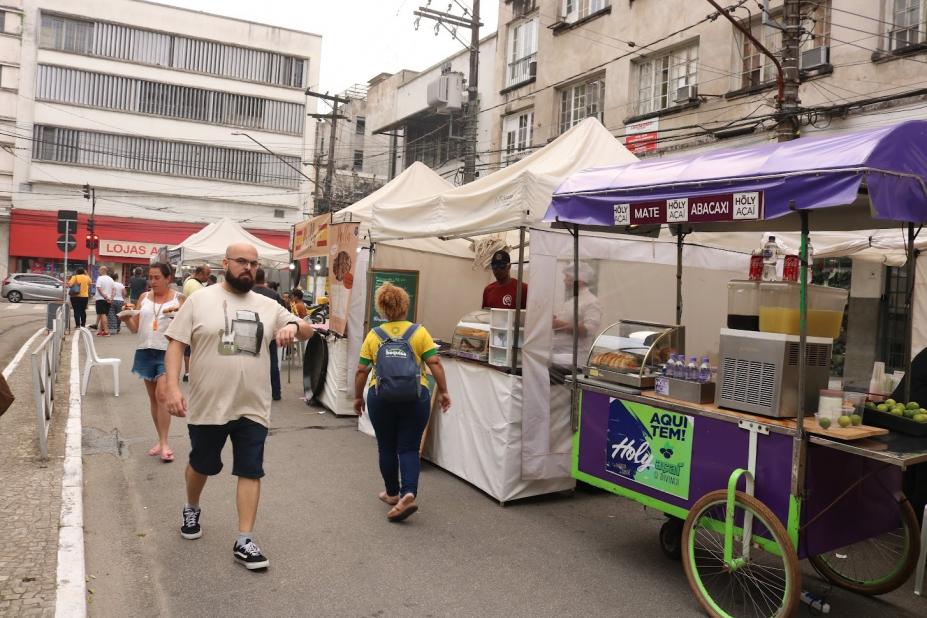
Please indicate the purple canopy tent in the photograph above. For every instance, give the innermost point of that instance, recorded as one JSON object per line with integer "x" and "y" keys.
{"x": 881, "y": 172}
{"x": 876, "y": 177}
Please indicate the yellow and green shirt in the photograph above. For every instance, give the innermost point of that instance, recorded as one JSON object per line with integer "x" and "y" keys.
{"x": 422, "y": 344}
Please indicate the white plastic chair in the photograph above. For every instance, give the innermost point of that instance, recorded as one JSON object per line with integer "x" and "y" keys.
{"x": 93, "y": 360}
{"x": 922, "y": 559}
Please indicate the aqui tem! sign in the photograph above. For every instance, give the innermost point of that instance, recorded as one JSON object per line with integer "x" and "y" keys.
{"x": 650, "y": 446}
{"x": 701, "y": 209}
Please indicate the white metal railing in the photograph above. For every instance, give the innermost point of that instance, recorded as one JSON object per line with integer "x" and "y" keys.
{"x": 45, "y": 360}
{"x": 520, "y": 70}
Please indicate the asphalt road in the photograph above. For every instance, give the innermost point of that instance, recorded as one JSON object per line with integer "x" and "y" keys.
{"x": 18, "y": 322}
{"x": 331, "y": 550}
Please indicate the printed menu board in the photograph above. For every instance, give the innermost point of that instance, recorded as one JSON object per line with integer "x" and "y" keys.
{"x": 405, "y": 279}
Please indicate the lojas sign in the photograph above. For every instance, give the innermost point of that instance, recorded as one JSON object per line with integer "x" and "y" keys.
{"x": 650, "y": 446}
{"x": 128, "y": 248}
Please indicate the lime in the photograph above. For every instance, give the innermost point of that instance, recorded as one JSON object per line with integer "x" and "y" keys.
{"x": 890, "y": 403}
{"x": 920, "y": 418}
{"x": 824, "y": 422}
{"x": 913, "y": 405}
{"x": 909, "y": 413}
{"x": 844, "y": 421}
{"x": 896, "y": 411}
{"x": 856, "y": 419}
{"x": 871, "y": 405}
{"x": 882, "y": 407}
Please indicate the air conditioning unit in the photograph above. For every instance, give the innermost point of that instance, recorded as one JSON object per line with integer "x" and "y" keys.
{"x": 533, "y": 69}
{"x": 816, "y": 58}
{"x": 446, "y": 93}
{"x": 686, "y": 94}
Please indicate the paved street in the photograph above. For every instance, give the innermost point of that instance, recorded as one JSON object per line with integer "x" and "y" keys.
{"x": 332, "y": 551}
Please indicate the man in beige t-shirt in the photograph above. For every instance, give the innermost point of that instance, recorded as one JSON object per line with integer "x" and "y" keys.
{"x": 228, "y": 328}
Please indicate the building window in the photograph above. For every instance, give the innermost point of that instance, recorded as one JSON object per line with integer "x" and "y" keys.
{"x": 522, "y": 51}
{"x": 905, "y": 23}
{"x": 358, "y": 160}
{"x": 2, "y": 21}
{"x": 120, "y": 42}
{"x": 157, "y": 156}
{"x": 360, "y": 125}
{"x": 660, "y": 78}
{"x": 517, "y": 131}
{"x": 575, "y": 10}
{"x": 581, "y": 101}
{"x": 103, "y": 91}
{"x": 816, "y": 24}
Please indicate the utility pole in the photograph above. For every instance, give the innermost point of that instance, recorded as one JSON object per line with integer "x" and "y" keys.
{"x": 787, "y": 128}
{"x": 334, "y": 117}
{"x": 472, "y": 109}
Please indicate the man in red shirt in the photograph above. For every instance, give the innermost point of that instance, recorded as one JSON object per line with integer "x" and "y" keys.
{"x": 500, "y": 294}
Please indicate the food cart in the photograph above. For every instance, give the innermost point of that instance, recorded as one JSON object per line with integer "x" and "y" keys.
{"x": 748, "y": 495}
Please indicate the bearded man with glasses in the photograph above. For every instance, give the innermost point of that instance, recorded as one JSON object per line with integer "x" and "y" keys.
{"x": 228, "y": 328}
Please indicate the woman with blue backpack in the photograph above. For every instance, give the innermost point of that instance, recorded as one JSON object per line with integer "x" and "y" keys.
{"x": 398, "y": 400}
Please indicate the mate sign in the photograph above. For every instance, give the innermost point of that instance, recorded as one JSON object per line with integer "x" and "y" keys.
{"x": 702, "y": 209}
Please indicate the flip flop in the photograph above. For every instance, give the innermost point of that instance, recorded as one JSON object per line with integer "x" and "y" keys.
{"x": 167, "y": 456}
{"x": 155, "y": 450}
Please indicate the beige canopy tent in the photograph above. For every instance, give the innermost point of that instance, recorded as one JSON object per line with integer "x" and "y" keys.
{"x": 209, "y": 244}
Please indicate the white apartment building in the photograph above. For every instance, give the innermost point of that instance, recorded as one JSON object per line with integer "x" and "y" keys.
{"x": 11, "y": 20}
{"x": 168, "y": 114}
{"x": 425, "y": 109}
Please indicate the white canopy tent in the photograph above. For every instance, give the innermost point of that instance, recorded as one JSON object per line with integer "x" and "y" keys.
{"x": 209, "y": 244}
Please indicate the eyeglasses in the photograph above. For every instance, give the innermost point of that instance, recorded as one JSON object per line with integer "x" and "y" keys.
{"x": 244, "y": 262}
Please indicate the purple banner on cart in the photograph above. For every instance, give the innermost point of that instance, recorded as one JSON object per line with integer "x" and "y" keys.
{"x": 814, "y": 172}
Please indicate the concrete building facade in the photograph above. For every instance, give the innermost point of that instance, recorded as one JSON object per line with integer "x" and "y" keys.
{"x": 168, "y": 114}
{"x": 11, "y": 26}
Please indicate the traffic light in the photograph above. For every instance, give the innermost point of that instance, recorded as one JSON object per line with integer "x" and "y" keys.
{"x": 92, "y": 241}
{"x": 90, "y": 225}
{"x": 87, "y": 192}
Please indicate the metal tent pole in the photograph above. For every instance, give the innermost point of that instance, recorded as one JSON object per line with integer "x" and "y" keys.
{"x": 799, "y": 447}
{"x": 909, "y": 307}
{"x": 679, "y": 240}
{"x": 516, "y": 347}
{"x": 574, "y": 413}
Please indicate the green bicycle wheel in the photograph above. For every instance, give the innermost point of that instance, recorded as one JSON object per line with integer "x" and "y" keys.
{"x": 877, "y": 565}
{"x": 766, "y": 583}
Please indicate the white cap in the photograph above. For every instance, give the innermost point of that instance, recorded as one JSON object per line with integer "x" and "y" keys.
{"x": 586, "y": 274}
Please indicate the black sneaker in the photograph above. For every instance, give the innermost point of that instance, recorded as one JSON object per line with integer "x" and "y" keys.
{"x": 190, "y": 529}
{"x": 186, "y": 377}
{"x": 250, "y": 555}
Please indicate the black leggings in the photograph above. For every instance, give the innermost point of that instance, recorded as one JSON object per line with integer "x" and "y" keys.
{"x": 79, "y": 304}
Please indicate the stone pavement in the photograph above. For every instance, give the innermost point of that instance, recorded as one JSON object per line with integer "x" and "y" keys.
{"x": 30, "y": 497}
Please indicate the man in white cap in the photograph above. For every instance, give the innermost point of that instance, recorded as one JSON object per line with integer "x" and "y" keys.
{"x": 590, "y": 315}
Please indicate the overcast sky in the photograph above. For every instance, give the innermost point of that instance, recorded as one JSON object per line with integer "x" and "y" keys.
{"x": 360, "y": 38}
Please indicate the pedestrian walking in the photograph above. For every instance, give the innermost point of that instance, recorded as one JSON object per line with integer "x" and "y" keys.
{"x": 138, "y": 284}
{"x": 398, "y": 415}
{"x": 263, "y": 288}
{"x": 103, "y": 298}
{"x": 154, "y": 312}
{"x": 119, "y": 290}
{"x": 79, "y": 291}
{"x": 194, "y": 283}
{"x": 225, "y": 326}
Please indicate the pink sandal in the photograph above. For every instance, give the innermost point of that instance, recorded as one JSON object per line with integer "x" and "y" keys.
{"x": 155, "y": 450}
{"x": 167, "y": 456}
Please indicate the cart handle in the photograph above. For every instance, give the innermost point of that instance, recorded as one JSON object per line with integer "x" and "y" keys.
{"x": 735, "y": 563}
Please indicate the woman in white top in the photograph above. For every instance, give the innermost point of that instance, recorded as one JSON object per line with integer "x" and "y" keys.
{"x": 156, "y": 309}
{"x": 115, "y": 307}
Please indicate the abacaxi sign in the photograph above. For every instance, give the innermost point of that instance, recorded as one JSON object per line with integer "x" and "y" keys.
{"x": 702, "y": 209}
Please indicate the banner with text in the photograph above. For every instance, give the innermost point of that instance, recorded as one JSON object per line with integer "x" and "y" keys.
{"x": 342, "y": 258}
{"x": 310, "y": 237}
{"x": 703, "y": 209}
{"x": 650, "y": 446}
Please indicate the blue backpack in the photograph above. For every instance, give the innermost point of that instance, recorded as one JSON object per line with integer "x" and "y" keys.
{"x": 398, "y": 372}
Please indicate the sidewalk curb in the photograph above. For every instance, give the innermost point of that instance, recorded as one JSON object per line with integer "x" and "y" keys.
{"x": 71, "y": 599}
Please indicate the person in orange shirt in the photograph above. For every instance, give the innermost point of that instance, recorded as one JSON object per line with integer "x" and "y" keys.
{"x": 299, "y": 307}
{"x": 79, "y": 290}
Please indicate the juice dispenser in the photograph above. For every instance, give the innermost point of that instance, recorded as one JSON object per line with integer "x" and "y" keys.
{"x": 779, "y": 309}
{"x": 743, "y": 305}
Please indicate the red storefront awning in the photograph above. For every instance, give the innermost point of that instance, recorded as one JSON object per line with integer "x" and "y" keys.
{"x": 34, "y": 233}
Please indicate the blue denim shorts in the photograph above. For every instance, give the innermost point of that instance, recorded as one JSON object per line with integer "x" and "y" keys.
{"x": 149, "y": 364}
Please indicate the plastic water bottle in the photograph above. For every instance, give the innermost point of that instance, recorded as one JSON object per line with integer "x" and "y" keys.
{"x": 692, "y": 369}
{"x": 770, "y": 259}
{"x": 704, "y": 371}
{"x": 815, "y": 602}
{"x": 676, "y": 367}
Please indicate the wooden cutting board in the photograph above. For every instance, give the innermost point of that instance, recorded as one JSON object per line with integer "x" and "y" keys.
{"x": 843, "y": 433}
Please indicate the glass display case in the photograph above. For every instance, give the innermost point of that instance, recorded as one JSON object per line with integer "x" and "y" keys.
{"x": 471, "y": 336}
{"x": 630, "y": 352}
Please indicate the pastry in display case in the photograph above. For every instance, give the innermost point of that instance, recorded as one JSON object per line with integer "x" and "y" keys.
{"x": 630, "y": 352}
{"x": 471, "y": 336}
